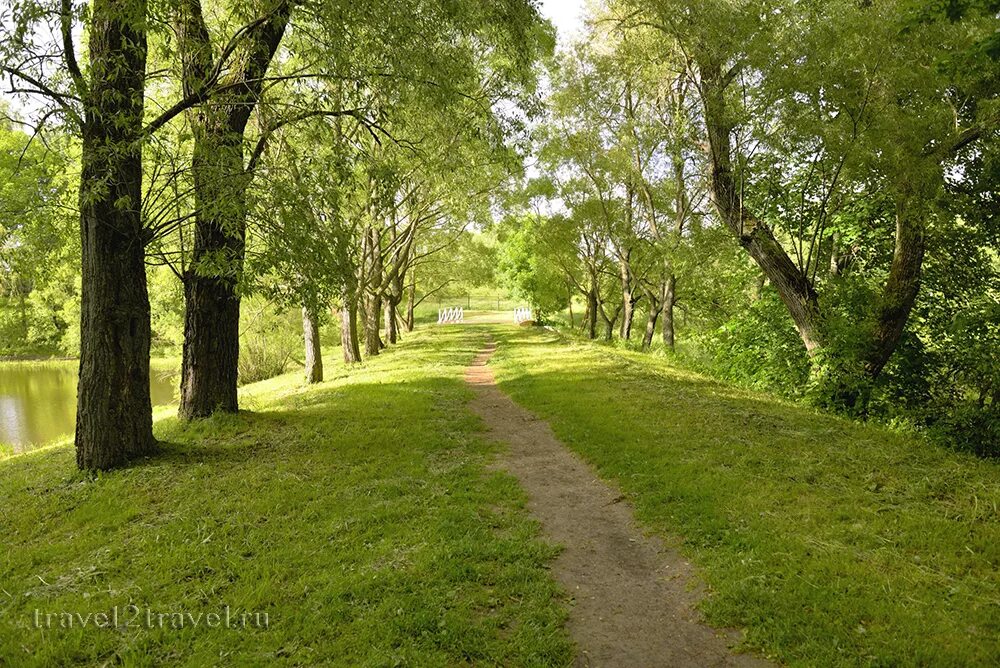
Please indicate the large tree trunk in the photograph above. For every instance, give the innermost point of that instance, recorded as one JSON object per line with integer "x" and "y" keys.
{"x": 210, "y": 366}
{"x": 211, "y": 347}
{"x": 902, "y": 287}
{"x": 212, "y": 299}
{"x": 793, "y": 286}
{"x": 114, "y": 418}
{"x": 314, "y": 354}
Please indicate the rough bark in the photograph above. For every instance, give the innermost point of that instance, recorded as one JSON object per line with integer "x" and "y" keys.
{"x": 212, "y": 299}
{"x": 793, "y": 286}
{"x": 114, "y": 419}
{"x": 211, "y": 347}
{"x": 313, "y": 351}
{"x": 901, "y": 288}
{"x": 372, "y": 324}
{"x": 391, "y": 322}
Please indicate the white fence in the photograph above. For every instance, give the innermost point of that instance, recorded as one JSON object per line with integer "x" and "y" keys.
{"x": 522, "y": 315}
{"x": 449, "y": 315}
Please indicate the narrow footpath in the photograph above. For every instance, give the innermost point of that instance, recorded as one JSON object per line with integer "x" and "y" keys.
{"x": 633, "y": 597}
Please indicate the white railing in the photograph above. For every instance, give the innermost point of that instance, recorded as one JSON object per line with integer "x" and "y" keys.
{"x": 522, "y": 314}
{"x": 449, "y": 315}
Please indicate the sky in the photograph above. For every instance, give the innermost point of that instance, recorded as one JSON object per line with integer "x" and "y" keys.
{"x": 566, "y": 15}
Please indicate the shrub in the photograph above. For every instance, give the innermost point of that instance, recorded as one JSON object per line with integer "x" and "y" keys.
{"x": 260, "y": 360}
{"x": 970, "y": 428}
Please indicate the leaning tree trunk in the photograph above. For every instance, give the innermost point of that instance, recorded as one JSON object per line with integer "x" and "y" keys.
{"x": 114, "y": 418}
{"x": 655, "y": 307}
{"x": 669, "y": 301}
{"x": 792, "y": 285}
{"x": 901, "y": 289}
{"x": 314, "y": 354}
{"x": 651, "y": 319}
{"x": 212, "y": 298}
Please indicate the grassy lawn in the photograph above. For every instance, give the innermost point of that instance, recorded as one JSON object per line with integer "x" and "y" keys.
{"x": 831, "y": 543}
{"x": 359, "y": 516}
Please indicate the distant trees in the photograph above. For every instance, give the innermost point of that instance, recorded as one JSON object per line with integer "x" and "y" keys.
{"x": 838, "y": 144}
{"x": 221, "y": 89}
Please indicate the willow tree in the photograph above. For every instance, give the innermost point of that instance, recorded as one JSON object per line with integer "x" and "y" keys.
{"x": 211, "y": 284}
{"x": 102, "y": 101}
{"x": 832, "y": 102}
{"x": 444, "y": 51}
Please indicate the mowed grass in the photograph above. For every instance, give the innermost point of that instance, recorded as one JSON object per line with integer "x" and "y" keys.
{"x": 831, "y": 543}
{"x": 359, "y": 515}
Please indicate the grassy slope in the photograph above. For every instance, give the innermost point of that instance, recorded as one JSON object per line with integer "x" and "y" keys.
{"x": 830, "y": 542}
{"x": 358, "y": 515}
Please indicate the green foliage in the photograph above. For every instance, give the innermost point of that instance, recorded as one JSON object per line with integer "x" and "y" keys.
{"x": 758, "y": 348}
{"x": 269, "y": 339}
{"x": 526, "y": 265}
{"x": 38, "y": 245}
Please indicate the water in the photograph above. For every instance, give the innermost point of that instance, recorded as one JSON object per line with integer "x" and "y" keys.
{"x": 38, "y": 399}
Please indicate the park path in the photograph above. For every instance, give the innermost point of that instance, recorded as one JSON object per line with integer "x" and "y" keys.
{"x": 633, "y": 597}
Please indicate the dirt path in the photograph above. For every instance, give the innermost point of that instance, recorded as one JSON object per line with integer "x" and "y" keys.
{"x": 633, "y": 603}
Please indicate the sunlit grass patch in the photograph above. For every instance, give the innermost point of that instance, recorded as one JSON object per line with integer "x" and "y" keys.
{"x": 830, "y": 542}
{"x": 358, "y": 515}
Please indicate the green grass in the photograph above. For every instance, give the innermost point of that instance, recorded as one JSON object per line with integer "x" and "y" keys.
{"x": 831, "y": 543}
{"x": 360, "y": 515}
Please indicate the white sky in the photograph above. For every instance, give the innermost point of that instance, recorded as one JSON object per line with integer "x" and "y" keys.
{"x": 566, "y": 15}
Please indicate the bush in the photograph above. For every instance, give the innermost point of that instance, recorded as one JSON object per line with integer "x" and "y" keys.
{"x": 260, "y": 360}
{"x": 758, "y": 348}
{"x": 970, "y": 428}
{"x": 269, "y": 339}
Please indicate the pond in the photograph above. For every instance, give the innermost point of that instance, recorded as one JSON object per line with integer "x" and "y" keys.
{"x": 38, "y": 398}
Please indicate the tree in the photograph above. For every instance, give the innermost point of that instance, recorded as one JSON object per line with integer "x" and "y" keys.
{"x": 834, "y": 108}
